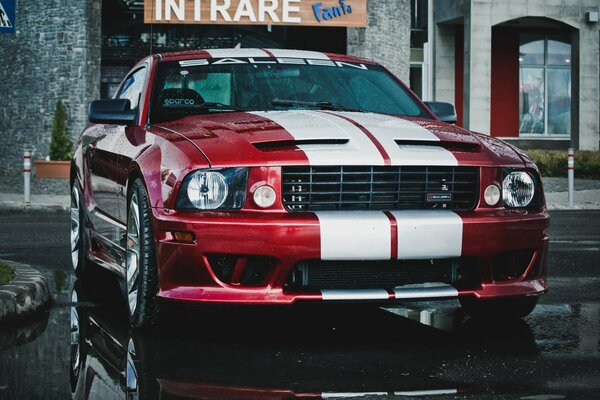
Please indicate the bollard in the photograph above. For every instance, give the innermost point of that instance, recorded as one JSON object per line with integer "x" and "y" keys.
{"x": 27, "y": 176}
{"x": 571, "y": 172}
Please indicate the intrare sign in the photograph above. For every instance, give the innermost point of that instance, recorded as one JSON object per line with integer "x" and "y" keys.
{"x": 342, "y": 13}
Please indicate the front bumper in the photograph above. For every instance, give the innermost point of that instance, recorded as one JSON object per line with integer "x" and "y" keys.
{"x": 282, "y": 240}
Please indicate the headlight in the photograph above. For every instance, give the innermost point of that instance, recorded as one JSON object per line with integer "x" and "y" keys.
{"x": 211, "y": 189}
{"x": 518, "y": 189}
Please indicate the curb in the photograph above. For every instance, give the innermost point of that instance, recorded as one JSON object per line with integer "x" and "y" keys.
{"x": 27, "y": 293}
{"x": 32, "y": 207}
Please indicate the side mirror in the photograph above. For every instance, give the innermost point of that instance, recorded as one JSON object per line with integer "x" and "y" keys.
{"x": 114, "y": 111}
{"x": 444, "y": 111}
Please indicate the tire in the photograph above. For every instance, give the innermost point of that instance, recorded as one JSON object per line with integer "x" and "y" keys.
{"x": 79, "y": 239}
{"x": 510, "y": 308}
{"x": 142, "y": 272}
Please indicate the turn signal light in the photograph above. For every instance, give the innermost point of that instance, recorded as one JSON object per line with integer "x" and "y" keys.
{"x": 186, "y": 237}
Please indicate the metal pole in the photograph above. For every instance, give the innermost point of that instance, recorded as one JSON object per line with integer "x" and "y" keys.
{"x": 571, "y": 172}
{"x": 27, "y": 176}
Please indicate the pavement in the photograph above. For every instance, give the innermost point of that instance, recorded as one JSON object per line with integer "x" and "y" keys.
{"x": 29, "y": 290}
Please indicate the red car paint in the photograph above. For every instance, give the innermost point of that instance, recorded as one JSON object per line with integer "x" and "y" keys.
{"x": 108, "y": 158}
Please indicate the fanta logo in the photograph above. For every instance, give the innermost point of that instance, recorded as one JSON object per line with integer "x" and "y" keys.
{"x": 329, "y": 13}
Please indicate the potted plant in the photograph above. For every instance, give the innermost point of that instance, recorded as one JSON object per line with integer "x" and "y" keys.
{"x": 60, "y": 148}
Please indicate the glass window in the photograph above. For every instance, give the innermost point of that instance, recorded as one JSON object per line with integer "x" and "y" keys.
{"x": 418, "y": 13}
{"x": 559, "y": 50}
{"x": 418, "y": 29}
{"x": 531, "y": 100}
{"x": 545, "y": 84}
{"x": 559, "y": 101}
{"x": 132, "y": 88}
{"x": 262, "y": 84}
{"x": 416, "y": 79}
{"x": 531, "y": 50}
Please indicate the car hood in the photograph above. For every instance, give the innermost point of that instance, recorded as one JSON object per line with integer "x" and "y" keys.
{"x": 314, "y": 137}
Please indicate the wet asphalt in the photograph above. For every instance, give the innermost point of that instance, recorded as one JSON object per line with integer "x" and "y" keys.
{"x": 82, "y": 347}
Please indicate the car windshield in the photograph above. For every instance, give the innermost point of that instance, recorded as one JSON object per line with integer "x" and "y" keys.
{"x": 191, "y": 87}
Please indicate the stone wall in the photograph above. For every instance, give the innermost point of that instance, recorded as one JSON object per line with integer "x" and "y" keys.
{"x": 387, "y": 38}
{"x": 54, "y": 54}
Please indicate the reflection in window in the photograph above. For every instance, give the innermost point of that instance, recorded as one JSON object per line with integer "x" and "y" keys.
{"x": 532, "y": 100}
{"x": 545, "y": 84}
{"x": 132, "y": 88}
{"x": 532, "y": 49}
{"x": 559, "y": 101}
{"x": 559, "y": 50}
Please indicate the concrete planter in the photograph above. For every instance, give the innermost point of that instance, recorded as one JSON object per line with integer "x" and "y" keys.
{"x": 52, "y": 169}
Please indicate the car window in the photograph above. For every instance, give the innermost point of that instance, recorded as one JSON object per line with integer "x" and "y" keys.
{"x": 184, "y": 88}
{"x": 132, "y": 88}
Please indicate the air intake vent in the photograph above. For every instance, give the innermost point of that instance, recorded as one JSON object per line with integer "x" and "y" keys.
{"x": 318, "y": 274}
{"x": 286, "y": 144}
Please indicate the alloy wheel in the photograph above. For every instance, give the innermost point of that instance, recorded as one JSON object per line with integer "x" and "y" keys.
{"x": 133, "y": 253}
{"x": 75, "y": 227}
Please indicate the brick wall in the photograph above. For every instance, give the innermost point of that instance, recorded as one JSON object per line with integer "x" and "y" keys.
{"x": 387, "y": 38}
{"x": 54, "y": 54}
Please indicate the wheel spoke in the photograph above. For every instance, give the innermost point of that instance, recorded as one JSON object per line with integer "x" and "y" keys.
{"x": 75, "y": 227}
{"x": 132, "y": 297}
{"x": 133, "y": 253}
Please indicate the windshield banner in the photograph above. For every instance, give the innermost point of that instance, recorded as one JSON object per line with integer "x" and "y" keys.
{"x": 340, "y": 13}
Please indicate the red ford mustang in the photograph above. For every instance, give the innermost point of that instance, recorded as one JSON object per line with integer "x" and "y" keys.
{"x": 276, "y": 176}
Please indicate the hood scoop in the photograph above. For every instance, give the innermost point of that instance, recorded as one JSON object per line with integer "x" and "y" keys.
{"x": 448, "y": 145}
{"x": 278, "y": 145}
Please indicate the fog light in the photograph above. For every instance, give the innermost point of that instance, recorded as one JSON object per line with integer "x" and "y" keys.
{"x": 492, "y": 195}
{"x": 265, "y": 196}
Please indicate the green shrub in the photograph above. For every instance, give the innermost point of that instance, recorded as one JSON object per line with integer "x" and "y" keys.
{"x": 553, "y": 163}
{"x": 60, "y": 145}
{"x": 6, "y": 273}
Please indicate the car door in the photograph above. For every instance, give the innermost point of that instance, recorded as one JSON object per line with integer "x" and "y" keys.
{"x": 104, "y": 143}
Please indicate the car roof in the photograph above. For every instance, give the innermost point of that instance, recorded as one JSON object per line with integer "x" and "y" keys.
{"x": 258, "y": 53}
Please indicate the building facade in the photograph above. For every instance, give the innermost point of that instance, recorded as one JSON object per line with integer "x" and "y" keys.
{"x": 525, "y": 71}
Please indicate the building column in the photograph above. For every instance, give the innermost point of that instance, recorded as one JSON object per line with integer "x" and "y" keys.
{"x": 386, "y": 39}
{"x": 589, "y": 87}
{"x": 478, "y": 67}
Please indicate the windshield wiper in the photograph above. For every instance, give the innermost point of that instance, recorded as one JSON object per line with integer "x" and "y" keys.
{"x": 322, "y": 105}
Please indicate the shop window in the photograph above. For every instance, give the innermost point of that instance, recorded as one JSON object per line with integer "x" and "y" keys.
{"x": 545, "y": 84}
{"x": 416, "y": 78}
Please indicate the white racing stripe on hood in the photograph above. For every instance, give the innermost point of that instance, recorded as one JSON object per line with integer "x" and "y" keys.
{"x": 355, "y": 235}
{"x": 428, "y": 234}
{"x": 387, "y": 130}
{"x": 310, "y": 125}
{"x": 287, "y": 53}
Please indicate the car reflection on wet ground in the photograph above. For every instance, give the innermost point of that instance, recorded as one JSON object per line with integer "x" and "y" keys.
{"x": 422, "y": 349}
{"x": 83, "y": 348}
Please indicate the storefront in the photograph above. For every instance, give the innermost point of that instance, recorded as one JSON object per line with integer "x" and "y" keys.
{"x": 529, "y": 75}
{"x": 131, "y": 29}
{"x": 79, "y": 51}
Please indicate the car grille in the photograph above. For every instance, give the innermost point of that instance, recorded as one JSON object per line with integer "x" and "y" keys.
{"x": 318, "y": 274}
{"x": 313, "y": 188}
